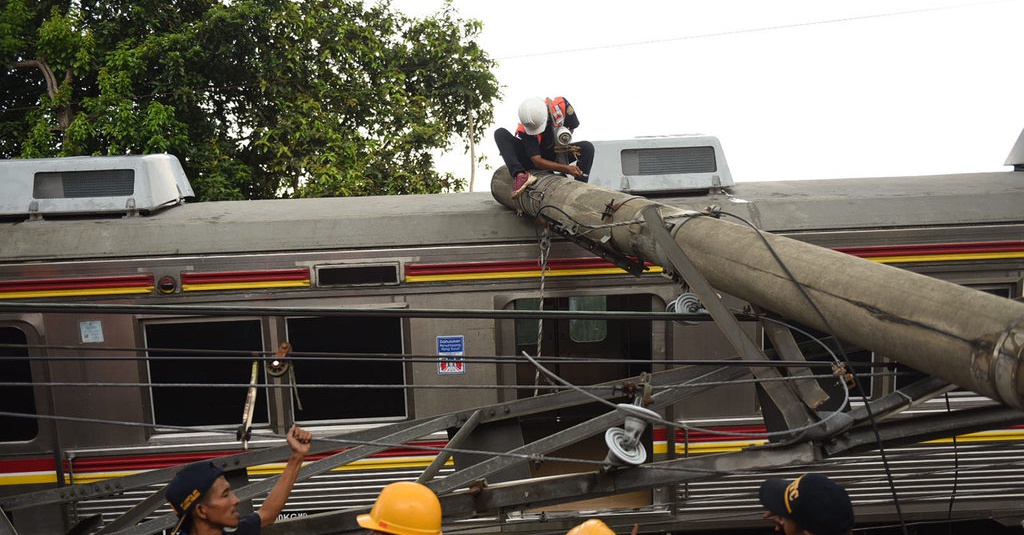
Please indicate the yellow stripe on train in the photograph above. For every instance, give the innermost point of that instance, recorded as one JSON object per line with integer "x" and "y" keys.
{"x": 944, "y": 257}
{"x": 660, "y": 448}
{"x": 244, "y": 285}
{"x": 36, "y": 294}
{"x": 701, "y": 448}
{"x": 726, "y": 446}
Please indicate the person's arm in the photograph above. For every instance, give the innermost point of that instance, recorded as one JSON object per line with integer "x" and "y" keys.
{"x": 299, "y": 439}
{"x": 531, "y": 148}
{"x": 539, "y": 162}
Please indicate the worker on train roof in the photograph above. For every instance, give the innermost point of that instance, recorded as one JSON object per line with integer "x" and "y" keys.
{"x": 206, "y": 505}
{"x": 543, "y": 140}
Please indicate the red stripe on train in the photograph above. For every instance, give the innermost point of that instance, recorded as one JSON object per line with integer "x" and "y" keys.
{"x": 27, "y": 465}
{"x": 504, "y": 266}
{"x": 140, "y": 462}
{"x": 934, "y": 248}
{"x": 84, "y": 465}
{"x": 38, "y": 285}
{"x": 221, "y": 277}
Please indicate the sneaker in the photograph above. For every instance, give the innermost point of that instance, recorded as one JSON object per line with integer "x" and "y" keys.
{"x": 521, "y": 182}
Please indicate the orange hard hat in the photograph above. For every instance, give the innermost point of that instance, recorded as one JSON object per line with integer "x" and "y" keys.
{"x": 404, "y": 508}
{"x": 591, "y": 527}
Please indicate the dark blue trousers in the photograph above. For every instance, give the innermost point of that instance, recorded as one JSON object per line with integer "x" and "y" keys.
{"x": 512, "y": 153}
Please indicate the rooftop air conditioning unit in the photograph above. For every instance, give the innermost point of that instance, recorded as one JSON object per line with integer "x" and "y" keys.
{"x": 91, "y": 185}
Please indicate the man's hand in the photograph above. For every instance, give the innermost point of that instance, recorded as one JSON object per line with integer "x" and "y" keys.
{"x": 573, "y": 170}
{"x": 780, "y": 526}
{"x": 299, "y": 439}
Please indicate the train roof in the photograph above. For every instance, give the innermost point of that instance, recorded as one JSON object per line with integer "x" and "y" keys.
{"x": 476, "y": 218}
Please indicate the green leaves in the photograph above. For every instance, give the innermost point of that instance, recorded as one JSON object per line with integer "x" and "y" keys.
{"x": 259, "y": 98}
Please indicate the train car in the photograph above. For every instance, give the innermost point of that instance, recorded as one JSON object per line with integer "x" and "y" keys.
{"x": 381, "y": 300}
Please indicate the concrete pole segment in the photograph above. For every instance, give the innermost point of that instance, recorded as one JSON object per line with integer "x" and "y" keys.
{"x": 967, "y": 337}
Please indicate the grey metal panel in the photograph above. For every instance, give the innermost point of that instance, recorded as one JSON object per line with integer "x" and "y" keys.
{"x": 876, "y": 203}
{"x": 270, "y": 225}
{"x": 475, "y": 218}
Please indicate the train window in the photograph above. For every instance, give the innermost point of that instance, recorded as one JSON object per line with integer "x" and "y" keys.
{"x": 526, "y": 329}
{"x": 582, "y": 330}
{"x": 16, "y": 399}
{"x": 346, "y": 352}
{"x": 588, "y": 342}
{"x": 177, "y": 357}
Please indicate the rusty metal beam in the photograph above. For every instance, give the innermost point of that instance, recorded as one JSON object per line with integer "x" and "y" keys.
{"x": 535, "y": 493}
{"x": 593, "y": 426}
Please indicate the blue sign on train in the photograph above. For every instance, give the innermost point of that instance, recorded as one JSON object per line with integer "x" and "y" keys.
{"x": 450, "y": 350}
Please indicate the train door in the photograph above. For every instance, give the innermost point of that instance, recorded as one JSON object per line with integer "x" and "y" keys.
{"x": 18, "y": 401}
{"x": 27, "y": 450}
{"x": 593, "y": 351}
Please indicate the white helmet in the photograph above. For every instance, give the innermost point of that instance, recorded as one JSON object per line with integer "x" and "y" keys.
{"x": 533, "y": 114}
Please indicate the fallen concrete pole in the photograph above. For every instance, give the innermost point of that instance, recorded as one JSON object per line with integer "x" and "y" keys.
{"x": 967, "y": 337}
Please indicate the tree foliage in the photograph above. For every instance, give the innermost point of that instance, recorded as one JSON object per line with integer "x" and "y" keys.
{"x": 257, "y": 98}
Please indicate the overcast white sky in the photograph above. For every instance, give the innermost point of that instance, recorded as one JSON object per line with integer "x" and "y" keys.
{"x": 794, "y": 89}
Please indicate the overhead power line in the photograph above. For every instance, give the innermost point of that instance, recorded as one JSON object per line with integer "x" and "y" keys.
{"x": 760, "y": 29}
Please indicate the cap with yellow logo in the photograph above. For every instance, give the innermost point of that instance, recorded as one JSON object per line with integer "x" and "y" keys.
{"x": 813, "y": 501}
{"x": 188, "y": 487}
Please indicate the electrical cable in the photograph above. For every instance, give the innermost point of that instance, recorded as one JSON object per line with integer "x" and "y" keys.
{"x": 677, "y": 425}
{"x": 761, "y": 29}
{"x": 261, "y": 434}
{"x": 362, "y": 386}
{"x": 956, "y": 471}
{"x": 871, "y": 418}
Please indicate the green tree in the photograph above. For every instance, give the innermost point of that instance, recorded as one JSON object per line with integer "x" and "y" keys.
{"x": 257, "y": 98}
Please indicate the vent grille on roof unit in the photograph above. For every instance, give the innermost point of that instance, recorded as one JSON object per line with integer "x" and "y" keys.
{"x": 672, "y": 160}
{"x": 83, "y": 184}
{"x": 660, "y": 165}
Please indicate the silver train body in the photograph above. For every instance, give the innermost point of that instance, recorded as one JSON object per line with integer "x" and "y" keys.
{"x": 93, "y": 393}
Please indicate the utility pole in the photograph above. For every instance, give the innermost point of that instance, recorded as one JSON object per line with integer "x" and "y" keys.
{"x": 472, "y": 151}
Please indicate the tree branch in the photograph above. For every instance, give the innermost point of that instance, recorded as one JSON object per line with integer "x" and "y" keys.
{"x": 51, "y": 80}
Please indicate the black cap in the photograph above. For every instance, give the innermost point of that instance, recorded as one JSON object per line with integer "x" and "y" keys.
{"x": 813, "y": 501}
{"x": 188, "y": 487}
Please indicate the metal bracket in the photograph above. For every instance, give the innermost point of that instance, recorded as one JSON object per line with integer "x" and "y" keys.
{"x": 785, "y": 345}
{"x": 6, "y": 528}
{"x": 633, "y": 267}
